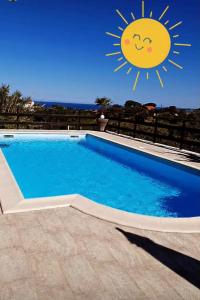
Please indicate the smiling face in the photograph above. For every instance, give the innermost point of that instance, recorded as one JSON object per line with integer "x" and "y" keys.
{"x": 145, "y": 43}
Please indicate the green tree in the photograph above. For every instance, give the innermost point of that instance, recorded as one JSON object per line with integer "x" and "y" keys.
{"x": 132, "y": 104}
{"x": 105, "y": 102}
{"x": 11, "y": 103}
{"x": 4, "y": 97}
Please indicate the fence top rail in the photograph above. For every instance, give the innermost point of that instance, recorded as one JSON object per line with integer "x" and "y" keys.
{"x": 21, "y": 114}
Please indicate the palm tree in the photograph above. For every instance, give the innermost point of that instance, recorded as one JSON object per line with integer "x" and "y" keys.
{"x": 14, "y": 102}
{"x": 11, "y": 103}
{"x": 105, "y": 102}
{"x": 4, "y": 97}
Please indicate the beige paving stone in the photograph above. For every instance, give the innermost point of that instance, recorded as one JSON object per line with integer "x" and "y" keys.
{"x": 183, "y": 288}
{"x": 34, "y": 240}
{"x": 101, "y": 230}
{"x": 55, "y": 293}
{"x": 46, "y": 270}
{"x": 13, "y": 265}
{"x": 117, "y": 280}
{"x": 98, "y": 250}
{"x": 5, "y": 292}
{"x": 79, "y": 228}
{"x": 155, "y": 285}
{"x": 4, "y": 219}
{"x": 9, "y": 236}
{"x": 24, "y": 290}
{"x": 97, "y": 296}
{"x": 80, "y": 257}
{"x": 50, "y": 221}
{"x": 64, "y": 245}
{"x": 23, "y": 220}
{"x": 81, "y": 276}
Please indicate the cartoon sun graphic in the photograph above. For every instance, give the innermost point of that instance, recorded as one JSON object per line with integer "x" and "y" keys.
{"x": 147, "y": 43}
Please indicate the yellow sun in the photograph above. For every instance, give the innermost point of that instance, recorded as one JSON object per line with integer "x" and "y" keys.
{"x": 141, "y": 44}
{"x": 146, "y": 43}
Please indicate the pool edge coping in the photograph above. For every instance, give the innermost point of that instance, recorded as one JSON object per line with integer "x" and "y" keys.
{"x": 12, "y": 201}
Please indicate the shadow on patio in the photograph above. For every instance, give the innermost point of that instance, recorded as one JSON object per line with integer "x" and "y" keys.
{"x": 185, "y": 266}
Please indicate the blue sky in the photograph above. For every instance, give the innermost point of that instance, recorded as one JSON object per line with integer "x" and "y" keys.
{"x": 55, "y": 50}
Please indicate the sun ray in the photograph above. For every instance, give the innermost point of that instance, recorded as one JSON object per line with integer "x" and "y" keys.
{"x": 120, "y": 28}
{"x": 121, "y": 66}
{"x": 136, "y": 81}
{"x": 143, "y": 9}
{"x": 164, "y": 68}
{"x": 129, "y": 71}
{"x": 131, "y": 26}
{"x": 182, "y": 45}
{"x": 113, "y": 35}
{"x": 176, "y": 25}
{"x": 175, "y": 64}
{"x": 164, "y": 12}
{"x": 120, "y": 14}
{"x": 176, "y": 36}
{"x": 160, "y": 79}
{"x": 133, "y": 16}
{"x": 114, "y": 53}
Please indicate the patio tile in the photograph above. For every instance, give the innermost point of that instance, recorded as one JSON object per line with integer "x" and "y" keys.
{"x": 6, "y": 292}
{"x": 13, "y": 265}
{"x": 23, "y": 290}
{"x": 23, "y": 220}
{"x": 64, "y": 245}
{"x": 9, "y": 236}
{"x": 98, "y": 250}
{"x": 62, "y": 254}
{"x": 34, "y": 240}
{"x": 49, "y": 220}
{"x": 4, "y": 220}
{"x": 97, "y": 296}
{"x": 75, "y": 226}
{"x": 81, "y": 276}
{"x": 46, "y": 270}
{"x": 55, "y": 293}
{"x": 116, "y": 280}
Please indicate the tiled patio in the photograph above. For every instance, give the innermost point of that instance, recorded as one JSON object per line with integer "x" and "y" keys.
{"x": 64, "y": 254}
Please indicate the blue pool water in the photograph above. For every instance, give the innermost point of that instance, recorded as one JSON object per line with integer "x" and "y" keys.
{"x": 103, "y": 172}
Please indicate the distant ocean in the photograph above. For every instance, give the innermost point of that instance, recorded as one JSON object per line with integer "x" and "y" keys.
{"x": 79, "y": 106}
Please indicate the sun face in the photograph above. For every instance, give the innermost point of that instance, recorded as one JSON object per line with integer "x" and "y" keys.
{"x": 141, "y": 46}
{"x": 146, "y": 43}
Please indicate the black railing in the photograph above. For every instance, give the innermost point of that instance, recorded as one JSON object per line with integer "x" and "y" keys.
{"x": 158, "y": 130}
{"x": 37, "y": 120}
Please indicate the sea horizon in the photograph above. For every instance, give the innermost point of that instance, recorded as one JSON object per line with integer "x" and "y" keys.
{"x": 90, "y": 106}
{"x": 76, "y": 105}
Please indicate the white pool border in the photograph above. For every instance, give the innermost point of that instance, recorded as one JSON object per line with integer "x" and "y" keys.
{"x": 12, "y": 200}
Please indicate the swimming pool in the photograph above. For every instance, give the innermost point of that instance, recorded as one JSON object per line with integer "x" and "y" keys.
{"x": 109, "y": 174}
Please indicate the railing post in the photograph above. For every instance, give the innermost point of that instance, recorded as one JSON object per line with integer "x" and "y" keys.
{"x": 134, "y": 129}
{"x": 119, "y": 123}
{"x": 17, "y": 118}
{"x": 182, "y": 134}
{"x": 155, "y": 130}
{"x": 78, "y": 120}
